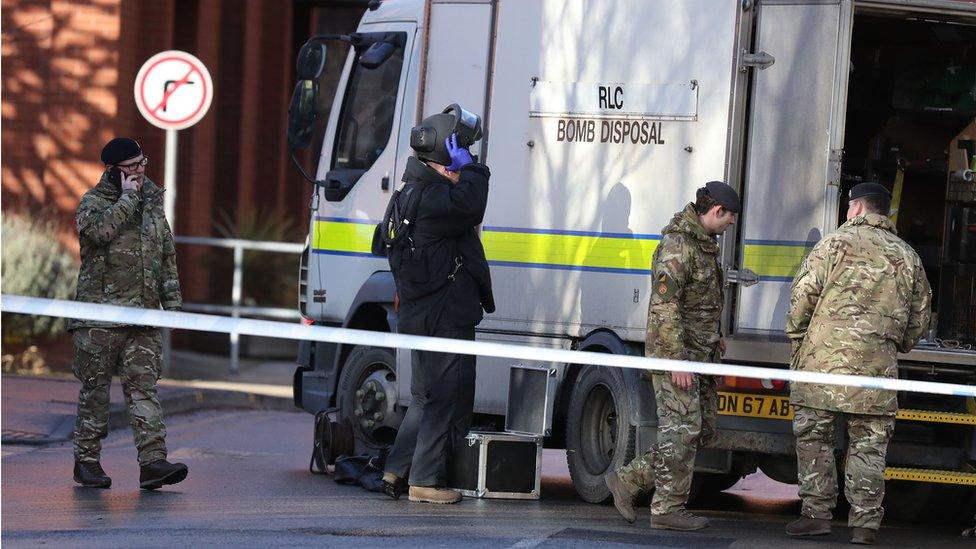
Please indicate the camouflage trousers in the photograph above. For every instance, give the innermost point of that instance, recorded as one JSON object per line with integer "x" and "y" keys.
{"x": 134, "y": 354}
{"x": 864, "y": 483}
{"x": 686, "y": 422}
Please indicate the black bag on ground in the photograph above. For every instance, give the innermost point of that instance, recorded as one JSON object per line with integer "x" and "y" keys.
{"x": 330, "y": 439}
{"x": 364, "y": 470}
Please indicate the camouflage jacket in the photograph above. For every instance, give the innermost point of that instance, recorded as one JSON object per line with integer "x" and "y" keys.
{"x": 859, "y": 298}
{"x": 684, "y": 314}
{"x": 128, "y": 257}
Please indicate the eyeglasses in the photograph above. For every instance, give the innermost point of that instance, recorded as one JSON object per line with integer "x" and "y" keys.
{"x": 132, "y": 165}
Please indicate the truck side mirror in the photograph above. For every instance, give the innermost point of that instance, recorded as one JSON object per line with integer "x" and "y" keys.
{"x": 311, "y": 61}
{"x": 376, "y": 54}
{"x": 302, "y": 114}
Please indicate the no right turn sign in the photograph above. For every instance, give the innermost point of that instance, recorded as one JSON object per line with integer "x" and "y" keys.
{"x": 173, "y": 90}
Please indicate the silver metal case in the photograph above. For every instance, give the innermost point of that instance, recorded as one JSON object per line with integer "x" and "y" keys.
{"x": 498, "y": 465}
{"x": 531, "y": 396}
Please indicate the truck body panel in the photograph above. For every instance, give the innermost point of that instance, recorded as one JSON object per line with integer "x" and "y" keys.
{"x": 601, "y": 119}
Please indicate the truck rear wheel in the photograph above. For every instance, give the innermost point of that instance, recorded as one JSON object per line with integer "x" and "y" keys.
{"x": 599, "y": 437}
{"x": 367, "y": 397}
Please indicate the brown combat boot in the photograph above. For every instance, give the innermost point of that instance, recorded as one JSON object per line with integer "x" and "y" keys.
{"x": 433, "y": 494}
{"x": 862, "y": 536}
{"x": 623, "y": 500}
{"x": 681, "y": 519}
{"x": 806, "y": 526}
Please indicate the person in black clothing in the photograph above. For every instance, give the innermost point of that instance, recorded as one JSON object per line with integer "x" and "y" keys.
{"x": 444, "y": 284}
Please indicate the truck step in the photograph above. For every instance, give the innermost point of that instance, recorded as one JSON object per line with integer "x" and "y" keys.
{"x": 930, "y": 475}
{"x": 936, "y": 417}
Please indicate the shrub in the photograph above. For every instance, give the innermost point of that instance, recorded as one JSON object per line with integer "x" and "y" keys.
{"x": 34, "y": 263}
{"x": 270, "y": 278}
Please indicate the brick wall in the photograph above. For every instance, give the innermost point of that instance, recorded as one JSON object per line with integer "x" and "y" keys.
{"x": 68, "y": 72}
{"x": 60, "y": 70}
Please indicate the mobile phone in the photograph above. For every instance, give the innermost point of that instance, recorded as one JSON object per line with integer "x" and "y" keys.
{"x": 115, "y": 176}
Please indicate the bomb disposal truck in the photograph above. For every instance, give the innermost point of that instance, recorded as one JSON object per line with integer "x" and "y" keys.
{"x": 601, "y": 118}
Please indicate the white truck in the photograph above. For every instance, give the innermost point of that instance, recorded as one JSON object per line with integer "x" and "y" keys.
{"x": 601, "y": 118}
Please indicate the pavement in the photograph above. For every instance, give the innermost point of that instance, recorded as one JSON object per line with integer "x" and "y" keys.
{"x": 41, "y": 410}
{"x": 249, "y": 486}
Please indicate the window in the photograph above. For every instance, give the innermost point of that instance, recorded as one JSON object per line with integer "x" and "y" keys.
{"x": 367, "y": 114}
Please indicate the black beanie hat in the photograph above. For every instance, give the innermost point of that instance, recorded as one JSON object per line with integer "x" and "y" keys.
{"x": 869, "y": 188}
{"x": 119, "y": 149}
{"x": 724, "y": 195}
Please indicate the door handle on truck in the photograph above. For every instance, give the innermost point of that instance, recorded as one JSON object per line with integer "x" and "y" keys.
{"x": 762, "y": 60}
{"x": 743, "y": 277}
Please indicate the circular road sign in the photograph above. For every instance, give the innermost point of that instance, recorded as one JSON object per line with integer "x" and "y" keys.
{"x": 173, "y": 90}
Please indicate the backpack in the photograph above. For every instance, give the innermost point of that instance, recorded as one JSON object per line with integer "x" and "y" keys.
{"x": 330, "y": 439}
{"x": 393, "y": 238}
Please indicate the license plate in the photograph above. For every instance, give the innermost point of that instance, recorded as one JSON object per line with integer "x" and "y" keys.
{"x": 766, "y": 406}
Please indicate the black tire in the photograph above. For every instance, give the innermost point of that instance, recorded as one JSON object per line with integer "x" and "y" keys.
{"x": 367, "y": 386}
{"x": 599, "y": 436}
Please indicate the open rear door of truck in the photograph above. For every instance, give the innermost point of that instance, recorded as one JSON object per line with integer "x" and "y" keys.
{"x": 796, "y": 130}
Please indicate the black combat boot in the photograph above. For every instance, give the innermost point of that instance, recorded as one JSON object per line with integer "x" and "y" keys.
{"x": 394, "y": 486}
{"x": 91, "y": 475}
{"x": 161, "y": 472}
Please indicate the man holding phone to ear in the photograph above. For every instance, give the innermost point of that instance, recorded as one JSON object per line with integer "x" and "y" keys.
{"x": 128, "y": 258}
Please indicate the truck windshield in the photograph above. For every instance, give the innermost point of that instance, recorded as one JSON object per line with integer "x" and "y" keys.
{"x": 366, "y": 117}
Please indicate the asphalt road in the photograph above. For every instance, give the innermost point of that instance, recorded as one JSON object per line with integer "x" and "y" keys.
{"x": 249, "y": 487}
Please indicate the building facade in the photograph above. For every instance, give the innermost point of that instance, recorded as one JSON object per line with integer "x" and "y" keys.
{"x": 67, "y": 88}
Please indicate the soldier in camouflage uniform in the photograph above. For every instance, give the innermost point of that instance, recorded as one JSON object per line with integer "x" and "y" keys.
{"x": 127, "y": 258}
{"x": 859, "y": 298}
{"x": 683, "y": 323}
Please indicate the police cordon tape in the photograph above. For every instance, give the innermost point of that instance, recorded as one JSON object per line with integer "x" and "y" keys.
{"x": 288, "y": 330}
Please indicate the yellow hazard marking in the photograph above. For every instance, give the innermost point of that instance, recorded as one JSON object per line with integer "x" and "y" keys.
{"x": 585, "y": 251}
{"x": 779, "y": 261}
{"x": 930, "y": 475}
{"x": 936, "y": 417}
{"x": 778, "y": 407}
{"x": 576, "y": 250}
{"x": 749, "y": 405}
{"x": 342, "y": 237}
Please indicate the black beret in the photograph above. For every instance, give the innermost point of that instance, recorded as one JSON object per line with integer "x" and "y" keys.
{"x": 119, "y": 149}
{"x": 868, "y": 189}
{"x": 724, "y": 195}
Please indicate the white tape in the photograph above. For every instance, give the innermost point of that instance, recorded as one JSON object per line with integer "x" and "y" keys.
{"x": 287, "y": 330}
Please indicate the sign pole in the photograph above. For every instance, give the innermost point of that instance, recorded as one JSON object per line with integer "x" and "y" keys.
{"x": 173, "y": 91}
{"x": 169, "y": 206}
{"x": 169, "y": 179}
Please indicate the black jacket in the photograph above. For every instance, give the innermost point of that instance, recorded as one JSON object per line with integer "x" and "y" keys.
{"x": 445, "y": 229}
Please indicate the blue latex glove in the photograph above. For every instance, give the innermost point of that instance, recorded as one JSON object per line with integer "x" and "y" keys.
{"x": 460, "y": 157}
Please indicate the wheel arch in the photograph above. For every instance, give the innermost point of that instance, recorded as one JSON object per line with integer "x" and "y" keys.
{"x": 372, "y": 309}
{"x": 604, "y": 340}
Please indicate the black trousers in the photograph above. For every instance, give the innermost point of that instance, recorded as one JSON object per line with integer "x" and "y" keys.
{"x": 442, "y": 386}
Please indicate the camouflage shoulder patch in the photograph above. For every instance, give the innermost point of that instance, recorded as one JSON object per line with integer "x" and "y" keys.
{"x": 665, "y": 286}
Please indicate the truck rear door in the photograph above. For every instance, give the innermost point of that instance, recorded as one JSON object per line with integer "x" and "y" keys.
{"x": 795, "y": 140}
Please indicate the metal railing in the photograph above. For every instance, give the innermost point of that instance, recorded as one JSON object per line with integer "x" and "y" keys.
{"x": 236, "y": 309}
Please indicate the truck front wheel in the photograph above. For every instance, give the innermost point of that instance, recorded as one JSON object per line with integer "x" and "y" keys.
{"x": 367, "y": 397}
{"x": 599, "y": 436}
